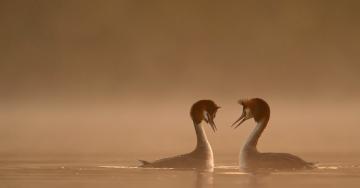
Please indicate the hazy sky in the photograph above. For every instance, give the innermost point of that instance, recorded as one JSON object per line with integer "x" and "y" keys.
{"x": 110, "y": 76}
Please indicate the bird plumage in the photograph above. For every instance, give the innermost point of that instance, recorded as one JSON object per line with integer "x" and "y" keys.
{"x": 202, "y": 156}
{"x": 250, "y": 157}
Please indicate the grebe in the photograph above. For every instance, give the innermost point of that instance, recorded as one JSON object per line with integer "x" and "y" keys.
{"x": 201, "y": 157}
{"x": 250, "y": 157}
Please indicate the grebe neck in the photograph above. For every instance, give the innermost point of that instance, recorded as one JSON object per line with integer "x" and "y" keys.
{"x": 252, "y": 140}
{"x": 202, "y": 141}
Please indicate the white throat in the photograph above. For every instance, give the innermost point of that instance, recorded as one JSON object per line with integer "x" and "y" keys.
{"x": 202, "y": 141}
{"x": 251, "y": 141}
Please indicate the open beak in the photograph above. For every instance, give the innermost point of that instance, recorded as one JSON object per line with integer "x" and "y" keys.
{"x": 211, "y": 122}
{"x": 240, "y": 120}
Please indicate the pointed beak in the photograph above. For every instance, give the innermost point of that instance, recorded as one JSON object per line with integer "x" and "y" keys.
{"x": 239, "y": 121}
{"x": 211, "y": 122}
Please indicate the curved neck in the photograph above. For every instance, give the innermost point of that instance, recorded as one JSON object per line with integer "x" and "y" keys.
{"x": 252, "y": 140}
{"x": 202, "y": 141}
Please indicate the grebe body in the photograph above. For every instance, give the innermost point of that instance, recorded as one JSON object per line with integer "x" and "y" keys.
{"x": 250, "y": 157}
{"x": 201, "y": 157}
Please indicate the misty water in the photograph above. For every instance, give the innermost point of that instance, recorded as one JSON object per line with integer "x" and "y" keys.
{"x": 333, "y": 170}
{"x": 120, "y": 76}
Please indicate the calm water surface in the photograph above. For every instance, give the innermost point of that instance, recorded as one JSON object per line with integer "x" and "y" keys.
{"x": 334, "y": 170}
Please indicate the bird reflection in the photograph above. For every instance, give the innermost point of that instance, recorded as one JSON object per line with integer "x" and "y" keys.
{"x": 255, "y": 181}
{"x": 204, "y": 179}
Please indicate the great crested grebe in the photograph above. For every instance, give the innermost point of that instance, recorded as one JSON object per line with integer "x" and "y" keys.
{"x": 201, "y": 157}
{"x": 250, "y": 157}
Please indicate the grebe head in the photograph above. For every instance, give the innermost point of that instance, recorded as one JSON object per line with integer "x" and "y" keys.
{"x": 253, "y": 108}
{"x": 204, "y": 110}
